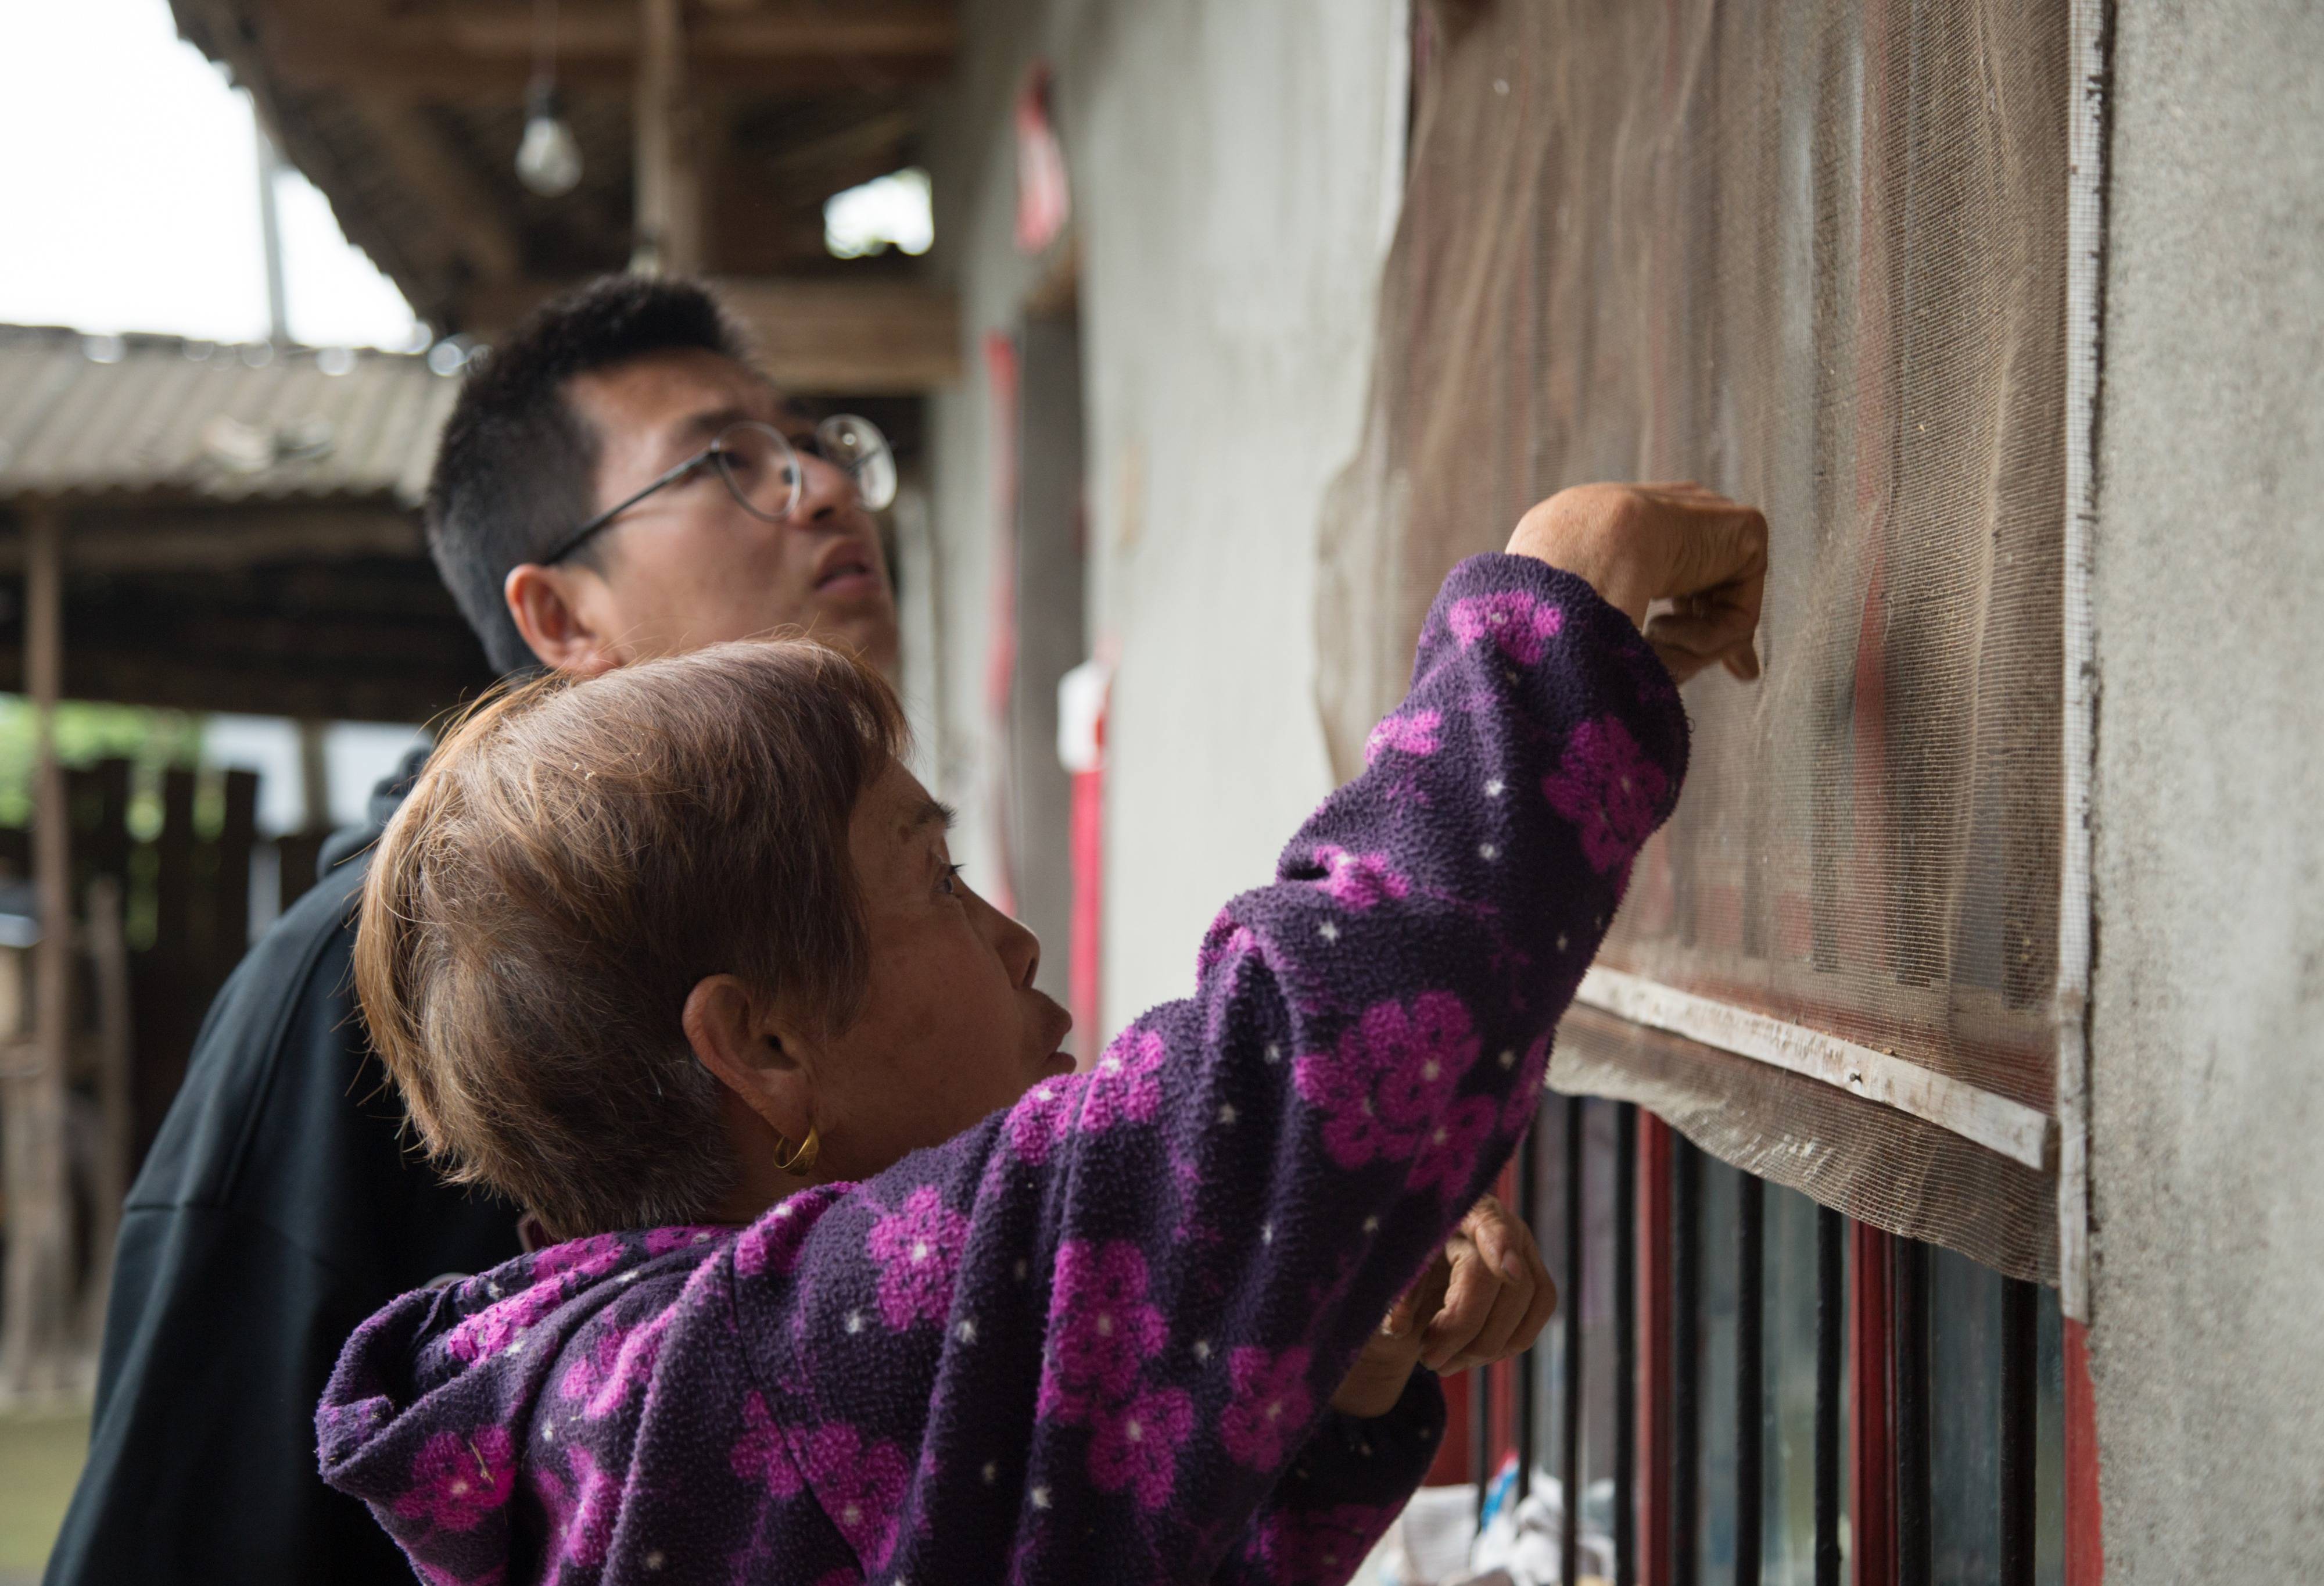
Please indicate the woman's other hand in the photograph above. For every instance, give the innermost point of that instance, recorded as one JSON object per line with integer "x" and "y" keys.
{"x": 1486, "y": 1297}
{"x": 1636, "y": 544}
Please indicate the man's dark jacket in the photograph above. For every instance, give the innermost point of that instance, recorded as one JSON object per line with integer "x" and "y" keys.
{"x": 282, "y": 1204}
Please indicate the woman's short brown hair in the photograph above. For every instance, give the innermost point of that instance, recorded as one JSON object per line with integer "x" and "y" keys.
{"x": 576, "y": 856}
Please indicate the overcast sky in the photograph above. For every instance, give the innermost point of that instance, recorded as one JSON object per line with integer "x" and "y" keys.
{"x": 129, "y": 191}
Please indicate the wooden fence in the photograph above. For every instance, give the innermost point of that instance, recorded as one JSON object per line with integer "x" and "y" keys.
{"x": 185, "y": 895}
{"x": 160, "y": 923}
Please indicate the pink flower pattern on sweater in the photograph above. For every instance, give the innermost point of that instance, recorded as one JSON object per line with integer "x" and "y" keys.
{"x": 459, "y": 1477}
{"x": 1110, "y": 1311}
{"x": 918, "y": 1250}
{"x": 772, "y": 1244}
{"x": 1414, "y": 733}
{"x": 1611, "y": 792}
{"x": 493, "y": 1329}
{"x": 1102, "y": 1330}
{"x": 1135, "y": 1445}
{"x": 622, "y": 1358}
{"x": 1395, "y": 1071}
{"x": 1521, "y": 625}
{"x": 1452, "y": 1144}
{"x": 1271, "y": 1406}
{"x": 1123, "y": 1086}
{"x": 860, "y": 1482}
{"x": 590, "y": 1258}
{"x": 758, "y": 1456}
{"x": 1360, "y": 880}
{"x": 1038, "y": 1123}
{"x": 584, "y": 1530}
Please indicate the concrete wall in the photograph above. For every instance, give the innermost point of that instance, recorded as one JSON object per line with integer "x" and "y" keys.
{"x": 2208, "y": 1072}
{"x": 1234, "y": 170}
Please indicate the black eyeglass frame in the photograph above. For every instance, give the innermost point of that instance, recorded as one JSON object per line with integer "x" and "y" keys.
{"x": 708, "y": 457}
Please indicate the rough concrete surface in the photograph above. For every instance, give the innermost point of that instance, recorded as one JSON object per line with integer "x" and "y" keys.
{"x": 1233, "y": 172}
{"x": 2207, "y": 1069}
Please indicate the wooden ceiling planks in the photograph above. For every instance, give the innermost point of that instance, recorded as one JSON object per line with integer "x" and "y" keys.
{"x": 407, "y": 116}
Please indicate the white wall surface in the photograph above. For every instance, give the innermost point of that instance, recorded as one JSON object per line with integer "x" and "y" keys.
{"x": 2207, "y": 1036}
{"x": 1234, "y": 171}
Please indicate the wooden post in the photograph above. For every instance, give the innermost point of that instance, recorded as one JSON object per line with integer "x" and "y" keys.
{"x": 36, "y": 1333}
{"x": 314, "y": 777}
{"x": 668, "y": 167}
{"x": 108, "y": 952}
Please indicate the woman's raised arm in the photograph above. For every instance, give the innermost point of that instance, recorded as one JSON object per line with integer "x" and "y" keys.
{"x": 1109, "y": 1321}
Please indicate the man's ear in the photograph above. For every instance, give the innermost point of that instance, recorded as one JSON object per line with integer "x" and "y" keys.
{"x": 737, "y": 1036}
{"x": 541, "y": 602}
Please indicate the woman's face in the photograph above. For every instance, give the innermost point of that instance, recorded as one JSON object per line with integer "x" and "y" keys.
{"x": 950, "y": 1029}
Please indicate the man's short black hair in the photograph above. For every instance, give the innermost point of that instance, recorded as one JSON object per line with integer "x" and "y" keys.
{"x": 514, "y": 467}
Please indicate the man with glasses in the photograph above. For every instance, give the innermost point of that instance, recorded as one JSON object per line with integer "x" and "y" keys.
{"x": 615, "y": 482}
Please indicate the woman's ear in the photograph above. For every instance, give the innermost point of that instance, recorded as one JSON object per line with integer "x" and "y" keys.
{"x": 541, "y": 602}
{"x": 735, "y": 1035}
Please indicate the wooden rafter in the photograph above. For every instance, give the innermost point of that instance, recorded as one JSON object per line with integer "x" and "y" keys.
{"x": 868, "y": 338}
{"x": 487, "y": 48}
{"x": 669, "y": 128}
{"x": 470, "y": 212}
{"x": 814, "y": 338}
{"x": 175, "y": 539}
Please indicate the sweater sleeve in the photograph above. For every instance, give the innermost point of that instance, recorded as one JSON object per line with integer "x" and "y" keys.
{"x": 1340, "y": 1494}
{"x": 1095, "y": 1337}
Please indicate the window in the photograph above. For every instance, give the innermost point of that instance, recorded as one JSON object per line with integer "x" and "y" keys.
{"x": 1815, "y": 257}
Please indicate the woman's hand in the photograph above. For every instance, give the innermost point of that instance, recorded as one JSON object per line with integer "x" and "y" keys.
{"x": 1636, "y": 544}
{"x": 1486, "y": 1297}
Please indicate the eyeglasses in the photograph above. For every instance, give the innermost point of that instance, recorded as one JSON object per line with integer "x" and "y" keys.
{"x": 762, "y": 472}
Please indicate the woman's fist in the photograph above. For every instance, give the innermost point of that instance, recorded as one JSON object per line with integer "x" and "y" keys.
{"x": 1486, "y": 1297}
{"x": 1636, "y": 544}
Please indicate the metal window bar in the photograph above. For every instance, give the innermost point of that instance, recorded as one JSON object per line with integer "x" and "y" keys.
{"x": 1529, "y": 1213}
{"x": 2020, "y": 1346}
{"x": 1873, "y": 1355}
{"x": 1481, "y": 1435}
{"x": 1915, "y": 1557}
{"x": 1687, "y": 1362}
{"x": 1871, "y": 1471}
{"x": 1626, "y": 1342}
{"x": 1569, "y": 1430}
{"x": 1751, "y": 1255}
{"x": 1832, "y": 1359}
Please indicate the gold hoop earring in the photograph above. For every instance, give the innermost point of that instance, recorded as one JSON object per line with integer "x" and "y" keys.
{"x": 802, "y": 1161}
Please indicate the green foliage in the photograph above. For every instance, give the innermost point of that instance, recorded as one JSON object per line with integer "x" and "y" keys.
{"x": 149, "y": 739}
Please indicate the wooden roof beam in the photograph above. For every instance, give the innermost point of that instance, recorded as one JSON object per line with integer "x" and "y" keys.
{"x": 484, "y": 47}
{"x": 814, "y": 337}
{"x": 475, "y": 217}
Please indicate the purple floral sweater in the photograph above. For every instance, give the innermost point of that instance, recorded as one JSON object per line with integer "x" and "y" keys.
{"x": 1092, "y": 1337}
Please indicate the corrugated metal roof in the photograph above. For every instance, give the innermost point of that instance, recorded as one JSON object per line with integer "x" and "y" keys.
{"x": 159, "y": 415}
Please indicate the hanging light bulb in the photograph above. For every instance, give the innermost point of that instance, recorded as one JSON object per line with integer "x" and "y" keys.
{"x": 549, "y": 159}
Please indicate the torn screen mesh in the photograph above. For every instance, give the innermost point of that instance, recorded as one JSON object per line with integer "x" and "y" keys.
{"x": 1814, "y": 257}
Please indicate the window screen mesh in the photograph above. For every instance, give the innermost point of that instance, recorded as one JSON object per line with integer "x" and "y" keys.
{"x": 1813, "y": 255}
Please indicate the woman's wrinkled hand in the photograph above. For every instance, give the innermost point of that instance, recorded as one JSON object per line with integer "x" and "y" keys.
{"x": 1640, "y": 544}
{"x": 1485, "y": 1297}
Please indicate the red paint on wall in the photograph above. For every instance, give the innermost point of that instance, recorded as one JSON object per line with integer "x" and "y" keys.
{"x": 1089, "y": 901}
{"x": 1044, "y": 196}
{"x": 1001, "y": 375}
{"x": 2085, "y": 1544}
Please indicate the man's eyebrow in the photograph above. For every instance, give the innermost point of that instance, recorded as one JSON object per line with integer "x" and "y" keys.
{"x": 703, "y": 425}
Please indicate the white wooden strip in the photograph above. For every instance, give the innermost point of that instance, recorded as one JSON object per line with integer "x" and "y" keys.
{"x": 2010, "y": 1128}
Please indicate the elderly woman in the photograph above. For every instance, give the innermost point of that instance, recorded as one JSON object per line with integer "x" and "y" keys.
{"x": 862, "y": 1280}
